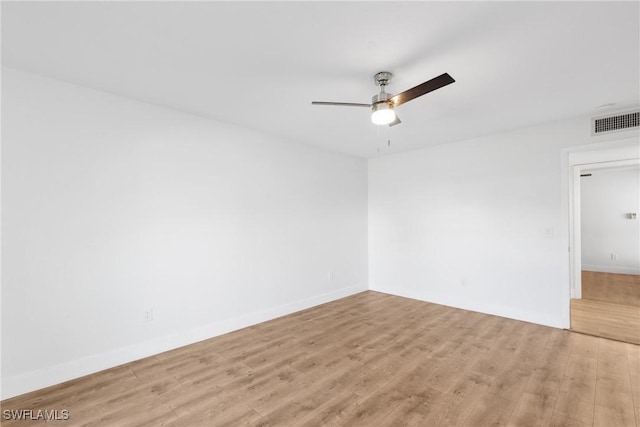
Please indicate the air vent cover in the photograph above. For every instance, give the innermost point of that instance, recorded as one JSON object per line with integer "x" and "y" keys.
{"x": 615, "y": 123}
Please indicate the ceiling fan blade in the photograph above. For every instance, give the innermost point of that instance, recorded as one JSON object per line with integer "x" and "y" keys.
{"x": 397, "y": 121}
{"x": 424, "y": 88}
{"x": 341, "y": 104}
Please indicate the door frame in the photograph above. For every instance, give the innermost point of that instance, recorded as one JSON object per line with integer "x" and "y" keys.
{"x": 578, "y": 162}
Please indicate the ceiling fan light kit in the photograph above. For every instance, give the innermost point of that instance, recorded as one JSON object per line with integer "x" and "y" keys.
{"x": 383, "y": 104}
{"x": 382, "y": 113}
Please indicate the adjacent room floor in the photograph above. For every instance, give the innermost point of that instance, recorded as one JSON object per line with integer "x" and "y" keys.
{"x": 370, "y": 360}
{"x": 610, "y": 306}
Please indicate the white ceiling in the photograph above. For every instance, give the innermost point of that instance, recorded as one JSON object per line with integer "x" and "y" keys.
{"x": 260, "y": 64}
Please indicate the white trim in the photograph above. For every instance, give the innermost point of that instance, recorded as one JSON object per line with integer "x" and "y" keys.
{"x": 34, "y": 380}
{"x": 611, "y": 269}
{"x": 627, "y": 153}
{"x": 540, "y": 318}
{"x": 575, "y": 235}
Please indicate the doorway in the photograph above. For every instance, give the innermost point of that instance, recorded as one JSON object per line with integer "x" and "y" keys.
{"x": 606, "y": 297}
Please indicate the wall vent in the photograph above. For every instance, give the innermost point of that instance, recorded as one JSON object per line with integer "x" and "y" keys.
{"x": 618, "y": 122}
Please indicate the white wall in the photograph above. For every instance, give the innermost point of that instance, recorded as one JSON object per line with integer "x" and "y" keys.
{"x": 112, "y": 207}
{"x": 607, "y": 197}
{"x": 480, "y": 224}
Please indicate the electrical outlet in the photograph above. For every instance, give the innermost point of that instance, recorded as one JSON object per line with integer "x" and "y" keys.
{"x": 463, "y": 282}
{"x": 614, "y": 256}
{"x": 148, "y": 315}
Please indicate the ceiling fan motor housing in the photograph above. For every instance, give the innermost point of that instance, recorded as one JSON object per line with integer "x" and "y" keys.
{"x": 381, "y": 97}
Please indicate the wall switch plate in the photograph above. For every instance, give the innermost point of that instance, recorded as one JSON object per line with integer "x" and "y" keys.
{"x": 548, "y": 232}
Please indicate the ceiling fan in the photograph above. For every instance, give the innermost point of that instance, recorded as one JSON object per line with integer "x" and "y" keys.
{"x": 383, "y": 104}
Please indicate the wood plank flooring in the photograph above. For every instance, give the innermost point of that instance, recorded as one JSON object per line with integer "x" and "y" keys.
{"x": 610, "y": 287}
{"x": 367, "y": 360}
{"x": 604, "y": 319}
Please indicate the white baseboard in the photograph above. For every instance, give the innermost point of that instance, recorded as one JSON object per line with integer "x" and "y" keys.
{"x": 34, "y": 380}
{"x": 545, "y": 319}
{"x": 611, "y": 269}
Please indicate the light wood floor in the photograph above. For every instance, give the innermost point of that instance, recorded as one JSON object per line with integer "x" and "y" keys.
{"x": 610, "y": 287}
{"x": 367, "y": 360}
{"x": 605, "y": 319}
